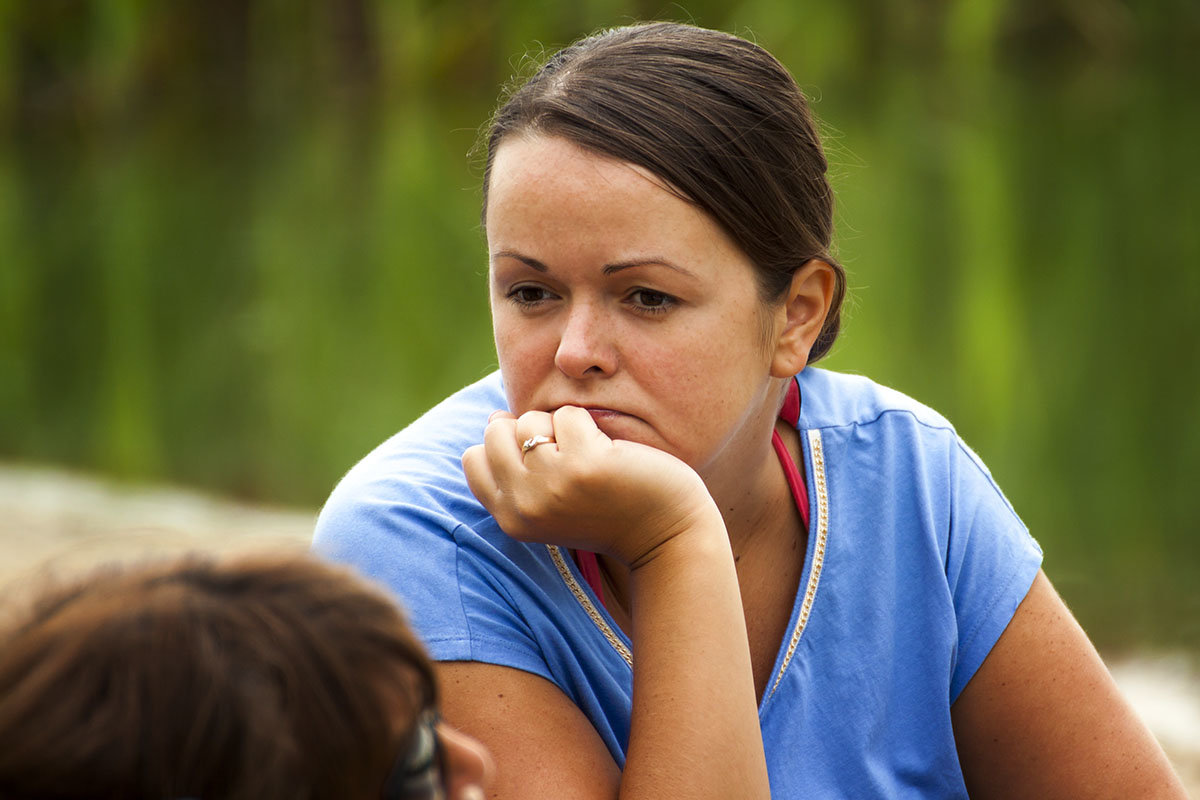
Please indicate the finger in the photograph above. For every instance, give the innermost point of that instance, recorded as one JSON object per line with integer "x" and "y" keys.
{"x": 500, "y": 413}
{"x": 535, "y": 431}
{"x": 480, "y": 479}
{"x": 534, "y": 423}
{"x": 502, "y": 449}
{"x": 575, "y": 429}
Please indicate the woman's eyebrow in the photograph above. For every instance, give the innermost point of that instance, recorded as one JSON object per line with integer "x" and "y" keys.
{"x": 532, "y": 263}
{"x": 609, "y": 269}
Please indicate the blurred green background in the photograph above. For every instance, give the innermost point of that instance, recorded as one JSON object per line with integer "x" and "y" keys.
{"x": 239, "y": 242}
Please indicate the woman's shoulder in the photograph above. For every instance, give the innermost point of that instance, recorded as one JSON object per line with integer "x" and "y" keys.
{"x": 835, "y": 399}
{"x": 896, "y": 438}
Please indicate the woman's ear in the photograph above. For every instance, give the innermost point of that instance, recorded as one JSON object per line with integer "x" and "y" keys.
{"x": 802, "y": 315}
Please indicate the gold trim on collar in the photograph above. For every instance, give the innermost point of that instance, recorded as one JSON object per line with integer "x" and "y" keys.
{"x": 588, "y": 606}
{"x": 810, "y": 591}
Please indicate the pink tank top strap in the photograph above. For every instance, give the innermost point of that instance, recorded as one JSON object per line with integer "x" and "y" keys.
{"x": 790, "y": 413}
{"x": 589, "y": 567}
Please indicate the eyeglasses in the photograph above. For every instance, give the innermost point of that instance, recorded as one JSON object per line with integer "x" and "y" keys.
{"x": 419, "y": 770}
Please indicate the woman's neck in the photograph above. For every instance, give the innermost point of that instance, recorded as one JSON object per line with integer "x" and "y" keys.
{"x": 759, "y": 512}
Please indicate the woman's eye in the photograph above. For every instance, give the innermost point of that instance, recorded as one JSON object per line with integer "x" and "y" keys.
{"x": 528, "y": 295}
{"x": 651, "y": 301}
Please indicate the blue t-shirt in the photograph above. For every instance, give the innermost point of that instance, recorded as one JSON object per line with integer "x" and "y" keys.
{"x": 915, "y": 565}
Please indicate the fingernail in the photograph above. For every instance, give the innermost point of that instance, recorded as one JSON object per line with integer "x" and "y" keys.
{"x": 472, "y": 792}
{"x": 492, "y": 415}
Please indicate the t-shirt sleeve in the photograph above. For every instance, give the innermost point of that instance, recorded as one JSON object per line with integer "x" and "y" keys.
{"x": 991, "y": 562}
{"x": 452, "y": 583}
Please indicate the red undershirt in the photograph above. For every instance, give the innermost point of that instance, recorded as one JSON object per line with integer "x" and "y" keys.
{"x": 790, "y": 413}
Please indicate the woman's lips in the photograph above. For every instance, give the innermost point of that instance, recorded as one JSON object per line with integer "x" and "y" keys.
{"x": 609, "y": 420}
{"x": 617, "y": 424}
{"x": 597, "y": 412}
{"x": 605, "y": 413}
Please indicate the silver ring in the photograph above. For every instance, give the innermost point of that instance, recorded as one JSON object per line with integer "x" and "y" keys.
{"x": 534, "y": 441}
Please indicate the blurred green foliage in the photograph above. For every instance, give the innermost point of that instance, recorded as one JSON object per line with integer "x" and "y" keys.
{"x": 239, "y": 241}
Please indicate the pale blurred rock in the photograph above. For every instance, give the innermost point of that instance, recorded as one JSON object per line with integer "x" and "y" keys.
{"x": 58, "y": 521}
{"x": 1165, "y": 690}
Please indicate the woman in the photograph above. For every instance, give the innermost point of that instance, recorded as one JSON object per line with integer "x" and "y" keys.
{"x": 251, "y": 679}
{"x": 683, "y": 562}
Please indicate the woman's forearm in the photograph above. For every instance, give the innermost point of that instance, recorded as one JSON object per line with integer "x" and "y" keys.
{"x": 695, "y": 730}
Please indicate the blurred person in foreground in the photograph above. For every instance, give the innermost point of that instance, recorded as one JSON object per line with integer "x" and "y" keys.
{"x": 660, "y": 554}
{"x": 251, "y": 678}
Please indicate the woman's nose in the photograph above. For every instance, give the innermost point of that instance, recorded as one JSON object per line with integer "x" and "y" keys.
{"x": 468, "y": 766}
{"x": 585, "y": 347}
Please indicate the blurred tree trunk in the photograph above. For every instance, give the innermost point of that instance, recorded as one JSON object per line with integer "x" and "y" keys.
{"x": 356, "y": 44}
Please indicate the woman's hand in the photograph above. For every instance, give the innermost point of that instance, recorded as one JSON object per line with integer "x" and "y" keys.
{"x": 652, "y": 512}
{"x": 584, "y": 490}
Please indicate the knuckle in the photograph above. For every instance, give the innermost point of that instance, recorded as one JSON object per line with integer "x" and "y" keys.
{"x": 527, "y": 507}
{"x": 507, "y": 522}
{"x": 566, "y": 413}
{"x": 506, "y": 514}
{"x": 531, "y": 418}
{"x": 497, "y": 427}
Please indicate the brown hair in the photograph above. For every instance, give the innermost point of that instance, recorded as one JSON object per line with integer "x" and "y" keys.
{"x": 258, "y": 678}
{"x": 718, "y": 118}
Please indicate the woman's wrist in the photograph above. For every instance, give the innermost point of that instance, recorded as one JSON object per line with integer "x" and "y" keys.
{"x": 697, "y": 532}
{"x": 697, "y": 537}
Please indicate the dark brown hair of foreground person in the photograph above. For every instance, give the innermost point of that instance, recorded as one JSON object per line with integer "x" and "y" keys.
{"x": 255, "y": 677}
{"x": 716, "y": 117}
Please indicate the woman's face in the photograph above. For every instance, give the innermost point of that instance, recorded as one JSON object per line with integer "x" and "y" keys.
{"x": 611, "y": 293}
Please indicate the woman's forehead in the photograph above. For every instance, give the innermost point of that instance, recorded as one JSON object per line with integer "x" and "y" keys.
{"x": 541, "y": 161}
